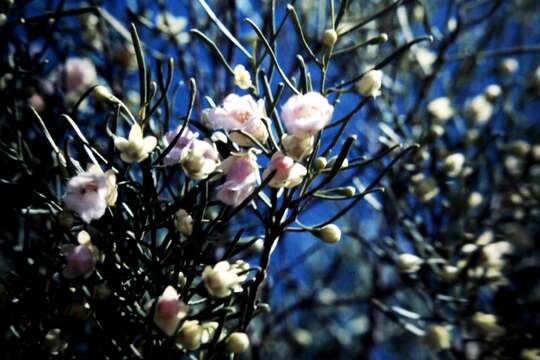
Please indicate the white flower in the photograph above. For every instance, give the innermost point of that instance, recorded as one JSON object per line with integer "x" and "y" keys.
{"x": 475, "y": 199}
{"x": 441, "y": 109}
{"x": 237, "y": 342}
{"x": 173, "y": 25}
{"x": 330, "y": 233}
{"x": 288, "y": 173}
{"x": 370, "y": 83}
{"x": 479, "y": 109}
{"x": 492, "y": 92}
{"x": 510, "y": 65}
{"x": 242, "y": 78}
{"x": 169, "y": 311}
{"x": 453, "y": 164}
{"x": 184, "y": 222}
{"x": 135, "y": 148}
{"x": 425, "y": 58}
{"x": 409, "y": 263}
{"x": 222, "y": 279}
{"x": 199, "y": 159}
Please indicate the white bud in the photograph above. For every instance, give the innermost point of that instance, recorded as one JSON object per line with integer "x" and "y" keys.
{"x": 436, "y": 131}
{"x": 184, "y": 222}
{"x": 102, "y": 93}
{"x": 468, "y": 248}
{"x": 453, "y": 164}
{"x": 409, "y": 263}
{"x": 475, "y": 199}
{"x": 479, "y": 109}
{"x": 370, "y": 84}
{"x": 237, "y": 342}
{"x": 510, "y": 65}
{"x": 328, "y": 233}
{"x": 492, "y": 92}
{"x": 242, "y": 77}
{"x": 332, "y": 161}
{"x": 330, "y": 37}
{"x": 320, "y": 163}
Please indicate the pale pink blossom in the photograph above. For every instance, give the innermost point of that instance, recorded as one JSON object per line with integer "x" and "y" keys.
{"x": 79, "y": 73}
{"x": 305, "y": 114}
{"x": 240, "y": 113}
{"x": 81, "y": 259}
{"x": 242, "y": 178}
{"x": 169, "y": 311}
{"x": 187, "y": 137}
{"x": 86, "y": 194}
{"x": 288, "y": 173}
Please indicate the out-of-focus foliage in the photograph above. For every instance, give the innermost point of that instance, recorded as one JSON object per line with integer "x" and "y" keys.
{"x": 443, "y": 263}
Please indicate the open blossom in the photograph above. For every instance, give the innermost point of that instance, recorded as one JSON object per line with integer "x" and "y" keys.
{"x": 173, "y": 156}
{"x": 199, "y": 159}
{"x": 297, "y": 147}
{"x": 370, "y": 84}
{"x": 242, "y": 177}
{"x": 89, "y": 193}
{"x": 135, "y": 148}
{"x": 288, "y": 173}
{"x": 306, "y": 114}
{"x": 242, "y": 78}
{"x": 224, "y": 278}
{"x": 169, "y": 311}
{"x": 79, "y": 73}
{"x": 240, "y": 113}
{"x": 81, "y": 259}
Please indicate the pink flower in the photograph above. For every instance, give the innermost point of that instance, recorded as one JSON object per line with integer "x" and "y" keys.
{"x": 81, "y": 259}
{"x": 242, "y": 178}
{"x": 241, "y": 113}
{"x": 79, "y": 73}
{"x": 169, "y": 311}
{"x": 306, "y": 114}
{"x": 86, "y": 194}
{"x": 288, "y": 173}
{"x": 187, "y": 137}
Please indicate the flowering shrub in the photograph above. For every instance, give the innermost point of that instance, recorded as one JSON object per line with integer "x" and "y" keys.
{"x": 323, "y": 180}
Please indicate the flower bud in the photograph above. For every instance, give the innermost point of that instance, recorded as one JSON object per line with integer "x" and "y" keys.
{"x": 438, "y": 337}
{"x": 237, "y": 342}
{"x": 297, "y": 147}
{"x": 184, "y": 222}
{"x": 190, "y": 335}
{"x": 332, "y": 161}
{"x": 425, "y": 188}
{"x": 519, "y": 148}
{"x": 102, "y": 93}
{"x": 242, "y": 77}
{"x": 487, "y": 324}
{"x": 453, "y": 164}
{"x": 320, "y": 163}
{"x": 449, "y": 273}
{"x": 475, "y": 199}
{"x": 182, "y": 279}
{"x": 370, "y": 83}
{"x": 346, "y": 191}
{"x": 409, "y": 263}
{"x": 328, "y": 233}
{"x": 330, "y": 37}
{"x": 509, "y": 66}
{"x": 492, "y": 92}
{"x": 479, "y": 109}
{"x": 441, "y": 109}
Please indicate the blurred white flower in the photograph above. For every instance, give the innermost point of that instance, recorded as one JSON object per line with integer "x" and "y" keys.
{"x": 135, "y": 148}
{"x": 426, "y": 58}
{"x": 409, "y": 263}
{"x": 79, "y": 73}
{"x": 306, "y": 114}
{"x": 223, "y": 278}
{"x": 510, "y": 65}
{"x": 173, "y": 25}
{"x": 242, "y": 77}
{"x": 370, "y": 84}
{"x": 441, "y": 109}
{"x": 184, "y": 222}
{"x": 453, "y": 164}
{"x": 492, "y": 92}
{"x": 288, "y": 173}
{"x": 479, "y": 109}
